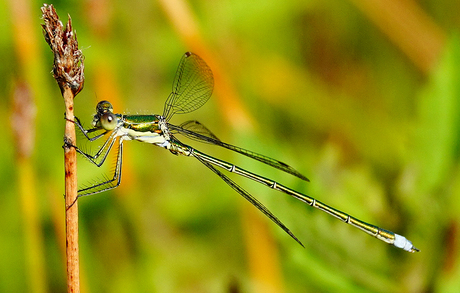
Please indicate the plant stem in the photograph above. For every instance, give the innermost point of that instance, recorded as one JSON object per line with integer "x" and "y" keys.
{"x": 68, "y": 72}
{"x": 71, "y": 215}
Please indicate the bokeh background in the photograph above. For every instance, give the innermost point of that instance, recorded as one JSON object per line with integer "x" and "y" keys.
{"x": 361, "y": 96}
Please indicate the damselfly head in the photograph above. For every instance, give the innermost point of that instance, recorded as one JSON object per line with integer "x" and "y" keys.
{"x": 104, "y": 117}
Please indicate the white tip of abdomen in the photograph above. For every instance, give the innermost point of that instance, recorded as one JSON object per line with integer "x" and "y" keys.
{"x": 403, "y": 243}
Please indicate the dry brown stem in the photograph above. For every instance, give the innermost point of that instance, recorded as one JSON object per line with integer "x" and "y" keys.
{"x": 68, "y": 72}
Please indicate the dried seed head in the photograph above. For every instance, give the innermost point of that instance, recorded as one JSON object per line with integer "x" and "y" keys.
{"x": 68, "y": 59}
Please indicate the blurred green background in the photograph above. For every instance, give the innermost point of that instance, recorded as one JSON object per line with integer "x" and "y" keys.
{"x": 361, "y": 96}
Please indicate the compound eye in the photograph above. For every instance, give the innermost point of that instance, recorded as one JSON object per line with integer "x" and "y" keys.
{"x": 103, "y": 107}
{"x": 108, "y": 121}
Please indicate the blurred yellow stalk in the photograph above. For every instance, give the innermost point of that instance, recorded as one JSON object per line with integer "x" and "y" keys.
{"x": 22, "y": 120}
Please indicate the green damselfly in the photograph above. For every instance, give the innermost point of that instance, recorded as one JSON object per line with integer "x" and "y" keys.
{"x": 192, "y": 87}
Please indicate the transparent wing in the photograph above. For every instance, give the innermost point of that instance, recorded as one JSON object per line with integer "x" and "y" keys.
{"x": 192, "y": 87}
{"x": 193, "y": 127}
{"x": 197, "y": 131}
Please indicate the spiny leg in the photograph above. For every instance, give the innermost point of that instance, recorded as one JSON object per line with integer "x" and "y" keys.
{"x": 96, "y": 159}
{"x": 101, "y": 155}
{"x": 87, "y": 131}
{"x": 108, "y": 183}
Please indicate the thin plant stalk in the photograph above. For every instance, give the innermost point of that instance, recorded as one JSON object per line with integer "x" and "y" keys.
{"x": 68, "y": 72}
{"x": 23, "y": 125}
{"x": 71, "y": 219}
